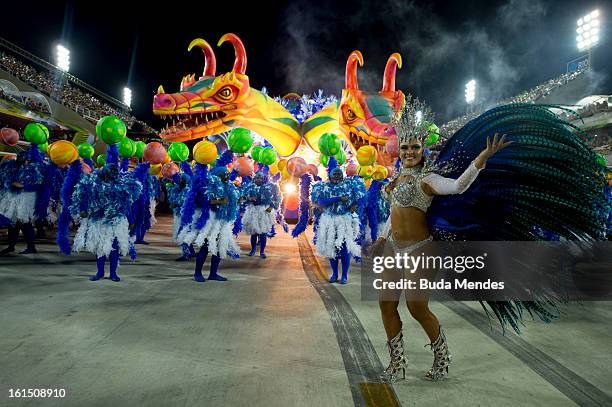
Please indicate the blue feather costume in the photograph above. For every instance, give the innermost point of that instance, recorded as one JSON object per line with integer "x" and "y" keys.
{"x": 547, "y": 184}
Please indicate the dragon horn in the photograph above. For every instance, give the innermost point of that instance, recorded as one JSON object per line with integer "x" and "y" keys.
{"x": 350, "y": 76}
{"x": 241, "y": 60}
{"x": 394, "y": 62}
{"x": 210, "y": 62}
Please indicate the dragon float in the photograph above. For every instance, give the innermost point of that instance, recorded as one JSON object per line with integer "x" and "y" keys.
{"x": 214, "y": 104}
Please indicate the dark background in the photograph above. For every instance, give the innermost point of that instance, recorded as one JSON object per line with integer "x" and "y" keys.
{"x": 300, "y": 46}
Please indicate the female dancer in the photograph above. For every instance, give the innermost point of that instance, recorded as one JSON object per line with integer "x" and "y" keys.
{"x": 410, "y": 193}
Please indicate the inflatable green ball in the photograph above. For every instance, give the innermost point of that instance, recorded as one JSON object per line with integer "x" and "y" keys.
{"x": 433, "y": 129}
{"x": 340, "y": 157}
{"x": 101, "y": 160}
{"x": 178, "y": 151}
{"x": 43, "y": 147}
{"x": 267, "y": 156}
{"x": 432, "y": 139}
{"x": 36, "y": 133}
{"x": 111, "y": 129}
{"x": 240, "y": 140}
{"x": 324, "y": 159}
{"x": 256, "y": 153}
{"x": 329, "y": 144}
{"x": 601, "y": 160}
{"x": 127, "y": 147}
{"x": 140, "y": 146}
{"x": 86, "y": 150}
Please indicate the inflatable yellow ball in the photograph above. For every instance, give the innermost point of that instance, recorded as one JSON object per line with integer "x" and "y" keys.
{"x": 380, "y": 173}
{"x": 281, "y": 164}
{"x": 366, "y": 155}
{"x": 365, "y": 172}
{"x": 155, "y": 169}
{"x": 63, "y": 152}
{"x": 205, "y": 152}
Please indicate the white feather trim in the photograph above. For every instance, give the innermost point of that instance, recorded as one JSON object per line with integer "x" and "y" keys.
{"x": 18, "y": 207}
{"x": 256, "y": 220}
{"x": 152, "y": 206}
{"x": 216, "y": 233}
{"x": 333, "y": 231}
{"x": 98, "y": 236}
{"x": 176, "y": 224}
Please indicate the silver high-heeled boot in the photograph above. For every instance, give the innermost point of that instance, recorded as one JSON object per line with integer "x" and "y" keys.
{"x": 442, "y": 358}
{"x": 398, "y": 361}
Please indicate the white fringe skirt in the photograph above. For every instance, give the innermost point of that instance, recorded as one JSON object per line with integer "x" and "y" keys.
{"x": 333, "y": 231}
{"x": 97, "y": 236}
{"x": 18, "y": 206}
{"x": 256, "y": 220}
{"x": 216, "y": 233}
{"x": 152, "y": 206}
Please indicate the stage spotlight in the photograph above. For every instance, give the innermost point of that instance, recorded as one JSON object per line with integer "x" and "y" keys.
{"x": 289, "y": 188}
{"x": 588, "y": 31}
{"x": 127, "y": 96}
{"x": 62, "y": 58}
{"x": 470, "y": 91}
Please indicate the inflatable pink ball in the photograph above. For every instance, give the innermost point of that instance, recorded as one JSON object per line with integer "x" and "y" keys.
{"x": 155, "y": 153}
{"x": 296, "y": 166}
{"x": 244, "y": 166}
{"x": 351, "y": 169}
{"x": 312, "y": 169}
{"x": 392, "y": 146}
{"x": 85, "y": 168}
{"x": 9, "y": 136}
{"x": 169, "y": 169}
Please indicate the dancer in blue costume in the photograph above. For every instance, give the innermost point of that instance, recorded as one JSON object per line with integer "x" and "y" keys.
{"x": 24, "y": 192}
{"x": 338, "y": 225}
{"x": 208, "y": 215}
{"x": 262, "y": 201}
{"x": 101, "y": 203}
{"x": 177, "y": 192}
{"x": 144, "y": 207}
{"x": 377, "y": 210}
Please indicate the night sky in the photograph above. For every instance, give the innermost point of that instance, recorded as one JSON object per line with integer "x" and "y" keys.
{"x": 507, "y": 46}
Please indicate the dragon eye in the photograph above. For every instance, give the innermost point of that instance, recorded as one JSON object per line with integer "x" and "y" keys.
{"x": 350, "y": 114}
{"x": 225, "y": 93}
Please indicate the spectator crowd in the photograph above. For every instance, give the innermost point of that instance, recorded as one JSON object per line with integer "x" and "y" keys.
{"x": 63, "y": 92}
{"x": 529, "y": 96}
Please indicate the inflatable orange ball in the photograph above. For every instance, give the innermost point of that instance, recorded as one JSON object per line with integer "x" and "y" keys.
{"x": 366, "y": 155}
{"x": 273, "y": 169}
{"x": 292, "y": 202}
{"x": 205, "y": 152}
{"x": 282, "y": 164}
{"x": 63, "y": 152}
{"x": 9, "y": 136}
{"x": 155, "y": 153}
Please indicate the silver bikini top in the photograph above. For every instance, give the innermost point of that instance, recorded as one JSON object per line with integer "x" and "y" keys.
{"x": 409, "y": 193}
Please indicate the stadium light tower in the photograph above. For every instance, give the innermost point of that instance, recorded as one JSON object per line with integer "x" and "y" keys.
{"x": 127, "y": 96}
{"x": 470, "y": 91}
{"x": 588, "y": 31}
{"x": 62, "y": 57}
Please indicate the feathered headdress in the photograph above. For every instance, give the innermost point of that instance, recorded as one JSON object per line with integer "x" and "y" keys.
{"x": 413, "y": 121}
